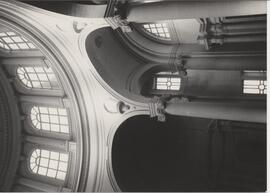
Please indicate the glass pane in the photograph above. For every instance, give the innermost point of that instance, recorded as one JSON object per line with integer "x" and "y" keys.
{"x": 37, "y": 77}
{"x": 47, "y": 163}
{"x": 50, "y": 119}
{"x": 158, "y": 29}
{"x": 254, "y": 86}
{"x": 168, "y": 83}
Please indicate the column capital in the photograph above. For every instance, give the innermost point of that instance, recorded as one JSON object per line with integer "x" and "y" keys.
{"x": 181, "y": 65}
{"x": 118, "y": 22}
{"x": 115, "y": 17}
{"x": 158, "y": 105}
{"x": 157, "y": 108}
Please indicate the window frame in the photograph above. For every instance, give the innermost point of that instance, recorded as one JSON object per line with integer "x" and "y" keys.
{"x": 29, "y": 169}
{"x": 254, "y": 75}
{"x": 56, "y": 87}
{"x": 139, "y": 27}
{"x": 36, "y": 130}
{"x": 11, "y": 36}
{"x": 167, "y": 75}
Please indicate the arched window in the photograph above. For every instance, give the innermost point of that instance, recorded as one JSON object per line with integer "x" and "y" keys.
{"x": 167, "y": 81}
{"x": 49, "y": 163}
{"x": 50, "y": 119}
{"x": 11, "y": 41}
{"x": 158, "y": 29}
{"x": 38, "y": 77}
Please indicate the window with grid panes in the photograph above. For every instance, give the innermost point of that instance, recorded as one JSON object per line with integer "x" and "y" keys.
{"x": 50, "y": 119}
{"x": 12, "y": 41}
{"x": 38, "y": 77}
{"x": 158, "y": 29}
{"x": 167, "y": 81}
{"x": 49, "y": 163}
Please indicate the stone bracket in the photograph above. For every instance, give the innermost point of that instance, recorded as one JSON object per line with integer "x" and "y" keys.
{"x": 117, "y": 22}
{"x": 157, "y": 105}
{"x": 157, "y": 108}
{"x": 114, "y": 17}
{"x": 181, "y": 65}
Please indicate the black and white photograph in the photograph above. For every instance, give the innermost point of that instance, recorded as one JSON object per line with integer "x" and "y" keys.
{"x": 133, "y": 95}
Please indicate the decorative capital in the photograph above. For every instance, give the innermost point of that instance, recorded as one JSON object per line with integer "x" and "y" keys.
{"x": 181, "y": 66}
{"x": 116, "y": 22}
{"x": 157, "y": 108}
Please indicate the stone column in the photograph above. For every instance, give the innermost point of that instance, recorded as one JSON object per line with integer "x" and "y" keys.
{"x": 244, "y": 62}
{"x": 224, "y": 111}
{"x": 233, "y": 111}
{"x": 158, "y": 11}
{"x": 237, "y": 29}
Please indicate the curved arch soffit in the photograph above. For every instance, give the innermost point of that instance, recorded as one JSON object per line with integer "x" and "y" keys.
{"x": 98, "y": 77}
{"x": 110, "y": 139}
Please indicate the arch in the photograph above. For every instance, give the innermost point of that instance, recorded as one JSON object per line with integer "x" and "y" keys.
{"x": 177, "y": 156}
{"x": 50, "y": 119}
{"x": 49, "y": 163}
{"x": 110, "y": 140}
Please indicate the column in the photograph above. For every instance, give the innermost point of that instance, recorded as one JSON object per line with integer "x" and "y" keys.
{"x": 243, "y": 62}
{"x": 237, "y": 29}
{"x": 157, "y": 11}
{"x": 225, "y": 111}
{"x": 255, "y": 18}
{"x": 232, "y": 39}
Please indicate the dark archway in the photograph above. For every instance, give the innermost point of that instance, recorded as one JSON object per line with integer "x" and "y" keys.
{"x": 189, "y": 154}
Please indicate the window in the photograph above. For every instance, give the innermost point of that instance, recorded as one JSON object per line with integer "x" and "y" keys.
{"x": 50, "y": 119}
{"x": 165, "y": 81}
{"x": 37, "y": 77}
{"x": 11, "y": 41}
{"x": 254, "y": 82}
{"x": 255, "y": 86}
{"x": 158, "y": 29}
{"x": 49, "y": 163}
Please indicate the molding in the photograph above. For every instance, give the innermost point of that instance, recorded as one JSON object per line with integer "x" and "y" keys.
{"x": 116, "y": 20}
{"x": 10, "y": 133}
